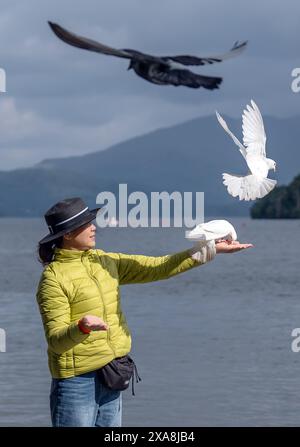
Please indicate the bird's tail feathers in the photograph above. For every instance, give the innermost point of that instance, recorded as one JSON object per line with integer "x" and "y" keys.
{"x": 248, "y": 187}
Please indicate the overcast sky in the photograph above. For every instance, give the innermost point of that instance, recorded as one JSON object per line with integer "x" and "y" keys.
{"x": 63, "y": 101}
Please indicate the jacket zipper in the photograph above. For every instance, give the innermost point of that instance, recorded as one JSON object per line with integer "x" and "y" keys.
{"x": 104, "y": 310}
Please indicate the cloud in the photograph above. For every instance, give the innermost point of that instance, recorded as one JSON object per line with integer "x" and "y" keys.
{"x": 64, "y": 101}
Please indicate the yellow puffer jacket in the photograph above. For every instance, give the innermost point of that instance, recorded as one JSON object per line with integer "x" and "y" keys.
{"x": 79, "y": 283}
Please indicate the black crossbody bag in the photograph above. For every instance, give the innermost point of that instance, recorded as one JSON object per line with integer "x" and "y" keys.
{"x": 117, "y": 374}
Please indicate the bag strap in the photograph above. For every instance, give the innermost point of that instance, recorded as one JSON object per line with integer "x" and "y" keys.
{"x": 137, "y": 377}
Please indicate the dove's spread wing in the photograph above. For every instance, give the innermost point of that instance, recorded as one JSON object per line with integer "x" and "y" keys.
{"x": 226, "y": 128}
{"x": 254, "y": 136}
{"x": 194, "y": 60}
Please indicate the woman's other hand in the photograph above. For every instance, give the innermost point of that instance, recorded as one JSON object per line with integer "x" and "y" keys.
{"x": 92, "y": 323}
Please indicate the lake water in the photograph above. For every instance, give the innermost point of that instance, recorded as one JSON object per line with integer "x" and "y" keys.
{"x": 212, "y": 345}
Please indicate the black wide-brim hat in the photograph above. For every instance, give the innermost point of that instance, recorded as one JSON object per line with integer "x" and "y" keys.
{"x": 66, "y": 216}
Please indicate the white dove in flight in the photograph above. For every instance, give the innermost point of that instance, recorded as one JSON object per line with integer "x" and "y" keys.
{"x": 255, "y": 185}
{"x": 213, "y": 230}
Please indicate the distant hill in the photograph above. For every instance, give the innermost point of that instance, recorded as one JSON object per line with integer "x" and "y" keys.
{"x": 186, "y": 157}
{"x": 282, "y": 203}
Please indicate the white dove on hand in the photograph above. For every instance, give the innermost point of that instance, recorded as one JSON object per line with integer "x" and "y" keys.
{"x": 215, "y": 236}
{"x": 214, "y": 230}
{"x": 256, "y": 184}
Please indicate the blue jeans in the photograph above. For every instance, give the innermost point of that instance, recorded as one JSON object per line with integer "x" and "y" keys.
{"x": 83, "y": 401}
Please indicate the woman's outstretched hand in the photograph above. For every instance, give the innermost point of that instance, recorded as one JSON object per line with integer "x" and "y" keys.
{"x": 224, "y": 246}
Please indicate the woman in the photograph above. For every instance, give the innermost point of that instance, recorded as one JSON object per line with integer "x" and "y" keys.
{"x": 79, "y": 301}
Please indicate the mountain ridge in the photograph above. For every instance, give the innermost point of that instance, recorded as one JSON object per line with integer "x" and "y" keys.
{"x": 190, "y": 156}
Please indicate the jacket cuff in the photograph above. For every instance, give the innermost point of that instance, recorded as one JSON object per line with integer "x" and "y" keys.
{"x": 203, "y": 252}
{"x": 75, "y": 333}
{"x": 83, "y": 329}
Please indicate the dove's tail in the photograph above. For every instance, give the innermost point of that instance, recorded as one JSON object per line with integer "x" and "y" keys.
{"x": 249, "y": 187}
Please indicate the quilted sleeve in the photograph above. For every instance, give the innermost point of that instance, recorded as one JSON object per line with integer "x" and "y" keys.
{"x": 61, "y": 334}
{"x": 140, "y": 269}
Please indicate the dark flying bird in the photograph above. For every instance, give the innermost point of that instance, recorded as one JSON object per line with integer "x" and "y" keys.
{"x": 161, "y": 70}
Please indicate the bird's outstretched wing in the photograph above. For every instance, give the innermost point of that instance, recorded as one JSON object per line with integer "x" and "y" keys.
{"x": 194, "y": 60}
{"x": 254, "y": 136}
{"x": 93, "y": 45}
{"x": 235, "y": 139}
{"x": 85, "y": 43}
{"x": 185, "y": 77}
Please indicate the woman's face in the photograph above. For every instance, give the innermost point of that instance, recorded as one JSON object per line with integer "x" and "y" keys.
{"x": 83, "y": 238}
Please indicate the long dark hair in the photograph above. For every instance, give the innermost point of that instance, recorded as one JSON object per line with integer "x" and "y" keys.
{"x": 46, "y": 251}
